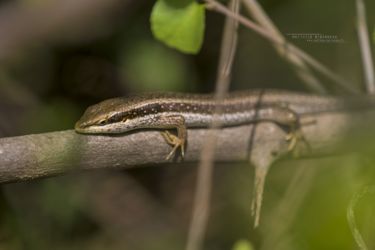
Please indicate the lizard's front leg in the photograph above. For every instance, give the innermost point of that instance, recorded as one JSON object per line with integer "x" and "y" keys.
{"x": 177, "y": 141}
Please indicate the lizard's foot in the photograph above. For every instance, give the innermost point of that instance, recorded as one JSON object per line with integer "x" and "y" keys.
{"x": 176, "y": 142}
{"x": 295, "y": 138}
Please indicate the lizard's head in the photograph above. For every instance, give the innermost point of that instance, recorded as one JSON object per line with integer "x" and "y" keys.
{"x": 105, "y": 117}
{"x": 119, "y": 115}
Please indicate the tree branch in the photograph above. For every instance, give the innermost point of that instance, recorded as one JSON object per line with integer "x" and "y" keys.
{"x": 42, "y": 155}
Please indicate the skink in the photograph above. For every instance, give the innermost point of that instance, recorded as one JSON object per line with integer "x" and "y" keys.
{"x": 181, "y": 111}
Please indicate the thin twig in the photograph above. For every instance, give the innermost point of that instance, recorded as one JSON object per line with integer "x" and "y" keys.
{"x": 368, "y": 65}
{"x": 302, "y": 70}
{"x": 205, "y": 170}
{"x": 351, "y": 216}
{"x": 229, "y": 47}
{"x": 289, "y": 48}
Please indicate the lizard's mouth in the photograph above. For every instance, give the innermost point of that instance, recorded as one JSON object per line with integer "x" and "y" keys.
{"x": 87, "y": 128}
{"x": 81, "y": 127}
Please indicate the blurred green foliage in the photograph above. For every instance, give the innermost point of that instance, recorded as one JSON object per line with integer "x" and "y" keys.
{"x": 242, "y": 245}
{"x": 167, "y": 70}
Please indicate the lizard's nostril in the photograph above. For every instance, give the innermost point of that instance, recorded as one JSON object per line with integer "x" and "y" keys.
{"x": 79, "y": 126}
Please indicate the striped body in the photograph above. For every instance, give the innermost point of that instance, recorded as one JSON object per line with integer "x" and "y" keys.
{"x": 181, "y": 111}
{"x": 120, "y": 115}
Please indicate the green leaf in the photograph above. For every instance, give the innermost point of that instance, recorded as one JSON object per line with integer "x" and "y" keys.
{"x": 179, "y": 24}
{"x": 242, "y": 245}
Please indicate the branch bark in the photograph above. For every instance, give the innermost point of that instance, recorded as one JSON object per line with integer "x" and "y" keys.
{"x": 49, "y": 154}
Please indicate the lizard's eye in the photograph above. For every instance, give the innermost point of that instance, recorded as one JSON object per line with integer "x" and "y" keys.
{"x": 102, "y": 122}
